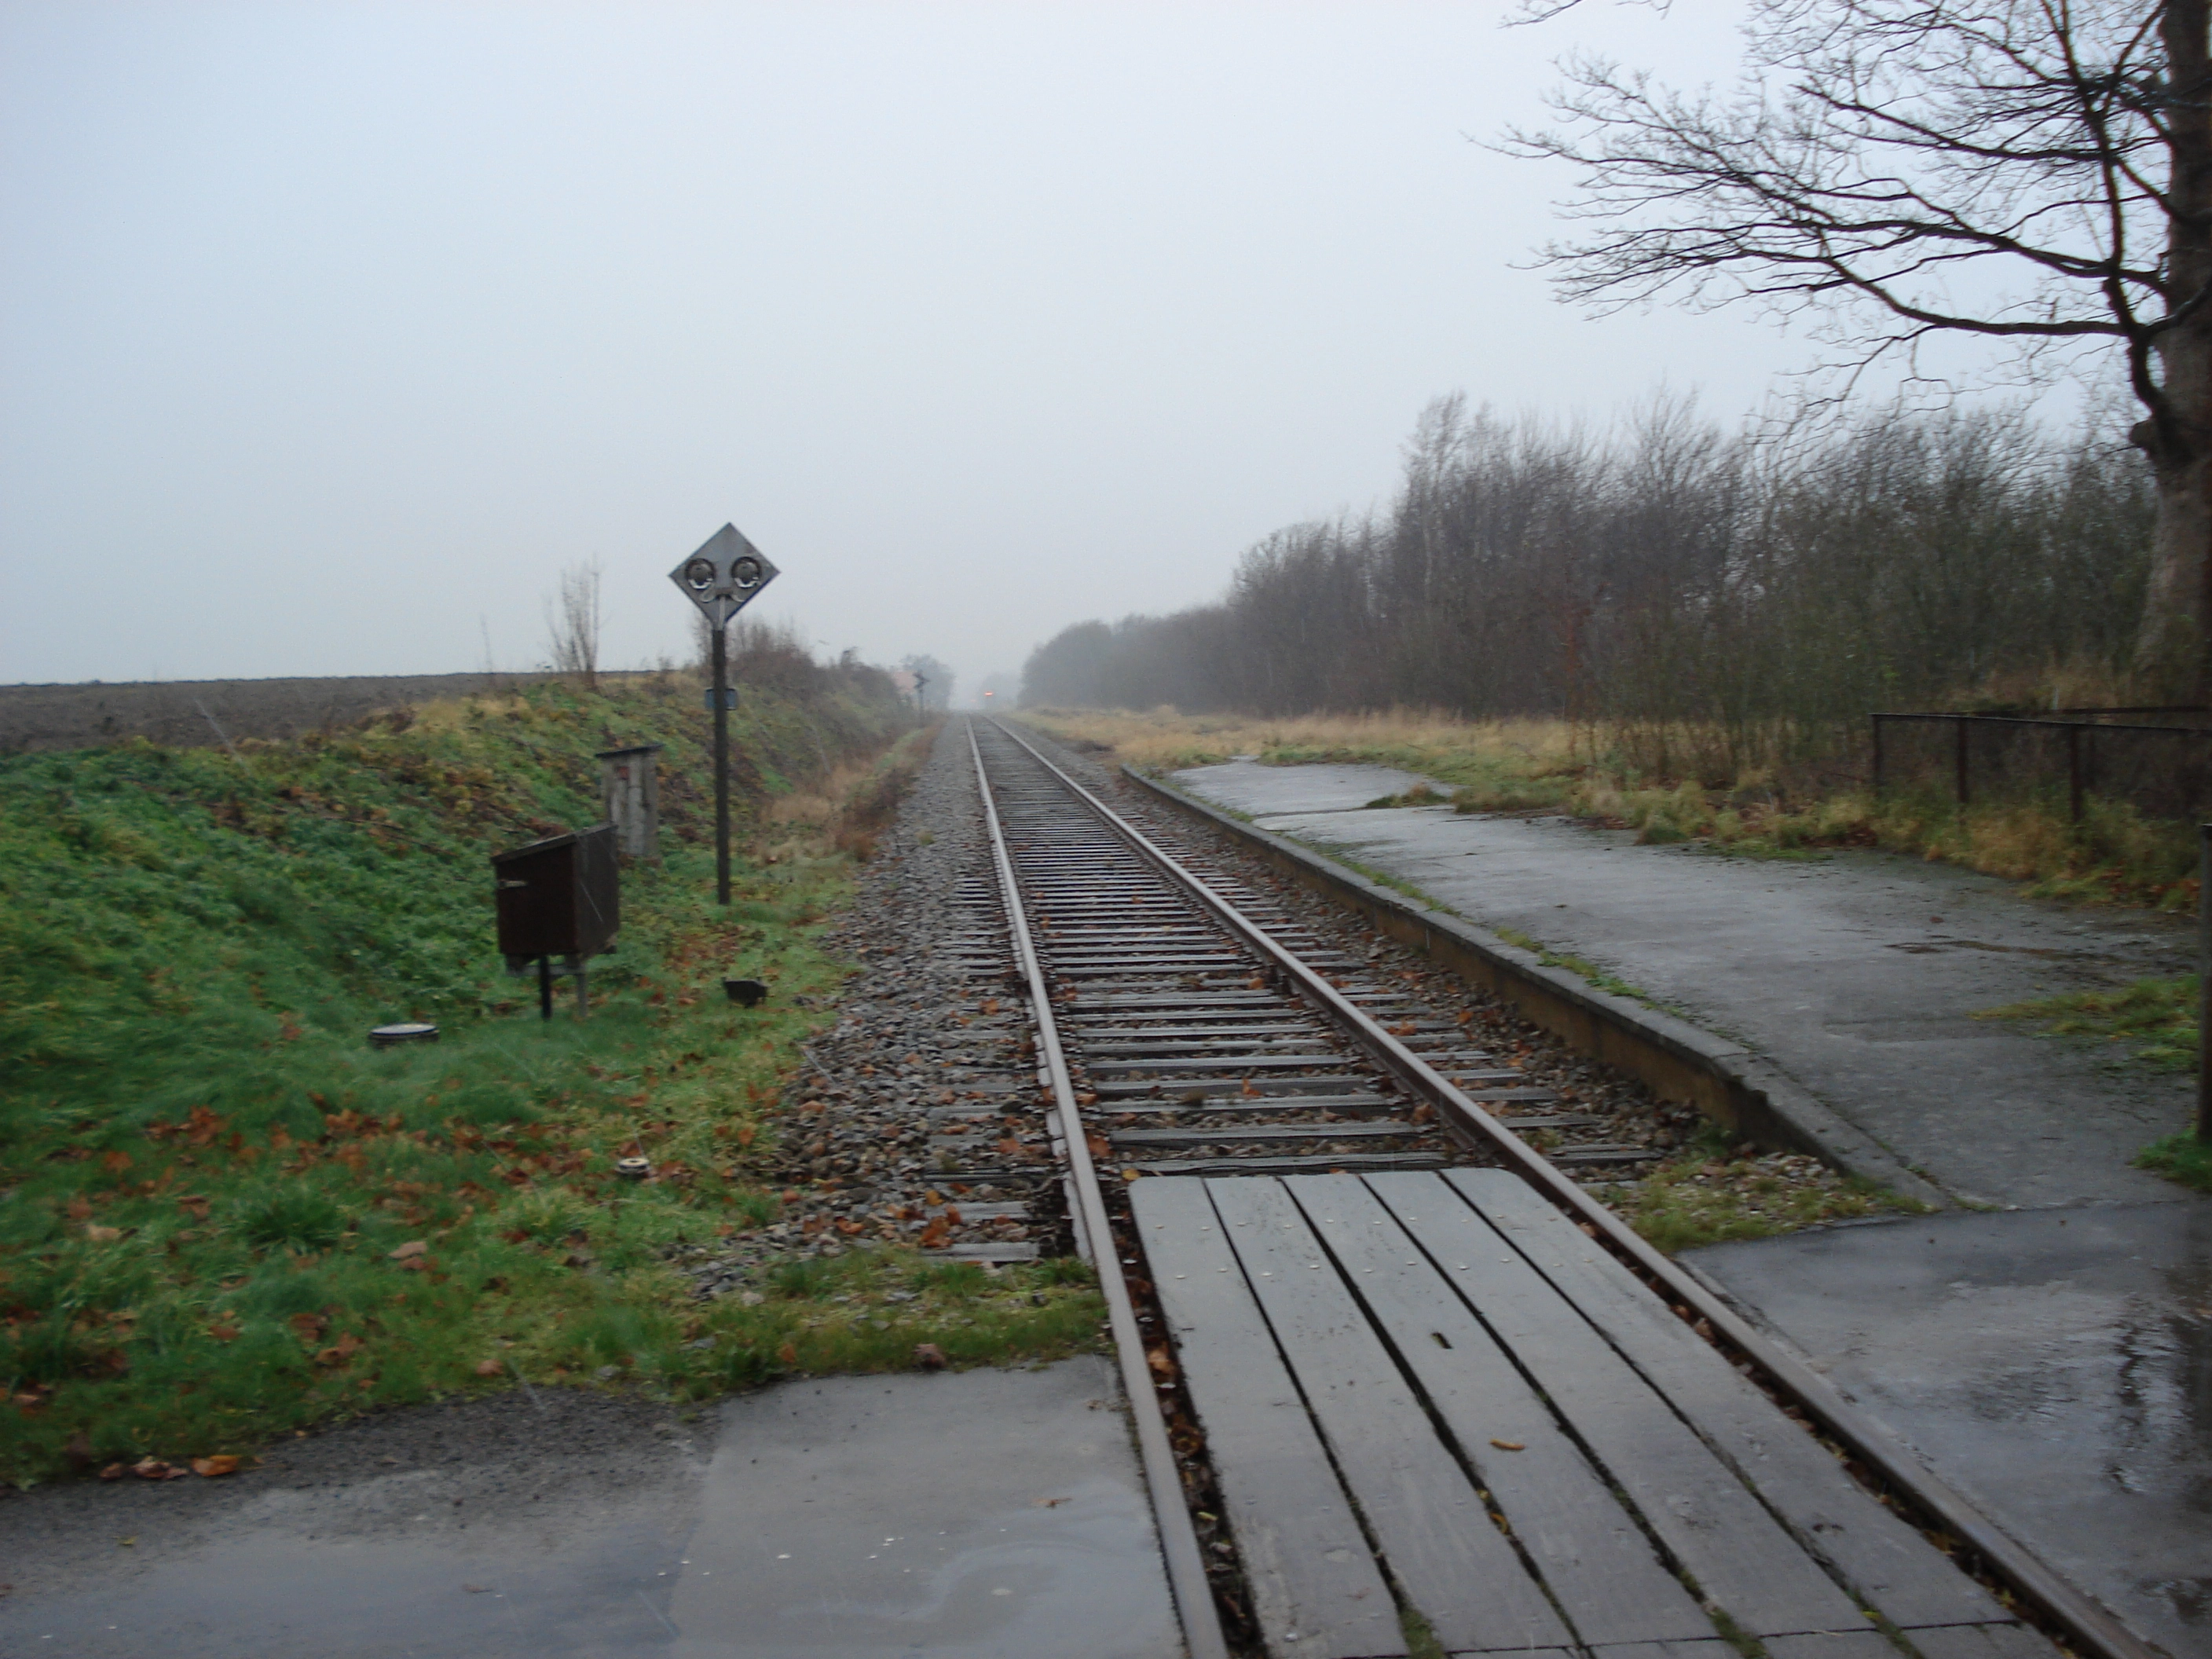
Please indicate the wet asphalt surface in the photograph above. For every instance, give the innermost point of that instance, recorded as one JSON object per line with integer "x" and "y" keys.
{"x": 1860, "y": 974}
{"x": 979, "y": 1515}
{"x": 2056, "y": 1366}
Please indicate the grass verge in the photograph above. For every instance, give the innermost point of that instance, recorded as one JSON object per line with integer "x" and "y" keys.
{"x": 1597, "y": 978}
{"x": 2181, "y": 1158}
{"x": 2115, "y": 855}
{"x": 224, "y": 1216}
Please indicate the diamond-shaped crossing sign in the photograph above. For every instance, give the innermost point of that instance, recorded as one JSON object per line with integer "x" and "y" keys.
{"x": 724, "y": 575}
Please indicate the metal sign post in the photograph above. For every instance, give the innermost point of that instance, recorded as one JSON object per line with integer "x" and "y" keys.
{"x": 2204, "y": 983}
{"x": 722, "y": 578}
{"x": 920, "y": 698}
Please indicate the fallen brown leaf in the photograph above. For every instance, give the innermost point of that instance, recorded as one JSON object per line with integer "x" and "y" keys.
{"x": 929, "y": 1356}
{"x": 1508, "y": 1445}
{"x": 788, "y": 1353}
{"x": 213, "y": 1468}
{"x": 151, "y": 1468}
{"x": 490, "y": 1368}
{"x": 114, "y": 1472}
{"x": 224, "y": 1332}
{"x": 99, "y": 1235}
{"x": 309, "y": 1327}
{"x": 410, "y": 1249}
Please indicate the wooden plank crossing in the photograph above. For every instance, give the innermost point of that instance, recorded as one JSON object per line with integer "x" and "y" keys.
{"x": 1428, "y": 1387}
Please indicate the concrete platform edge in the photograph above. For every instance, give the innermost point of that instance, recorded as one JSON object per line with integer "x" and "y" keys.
{"x": 1728, "y": 1082}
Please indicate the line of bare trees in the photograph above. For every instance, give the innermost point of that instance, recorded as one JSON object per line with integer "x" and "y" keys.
{"x": 1710, "y": 599}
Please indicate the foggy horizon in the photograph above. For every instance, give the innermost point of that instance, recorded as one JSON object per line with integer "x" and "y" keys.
{"x": 339, "y": 332}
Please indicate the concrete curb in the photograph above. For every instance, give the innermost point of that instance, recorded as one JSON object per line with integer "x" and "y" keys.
{"x": 1726, "y": 1081}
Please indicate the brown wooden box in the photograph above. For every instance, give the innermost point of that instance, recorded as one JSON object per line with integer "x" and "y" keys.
{"x": 560, "y": 896}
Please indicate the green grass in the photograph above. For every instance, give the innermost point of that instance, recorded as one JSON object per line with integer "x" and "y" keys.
{"x": 1710, "y": 1196}
{"x": 2181, "y": 1158}
{"x": 2156, "y": 1017}
{"x": 1375, "y": 873}
{"x": 1598, "y": 977}
{"x": 223, "y": 1216}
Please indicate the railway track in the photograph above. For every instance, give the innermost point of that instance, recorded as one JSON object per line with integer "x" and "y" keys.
{"x": 1396, "y": 1378}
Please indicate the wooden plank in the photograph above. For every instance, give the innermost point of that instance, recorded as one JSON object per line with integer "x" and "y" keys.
{"x": 1305, "y": 1559}
{"x": 1705, "y": 1517}
{"x": 1837, "y": 1644}
{"x": 1883, "y": 1558}
{"x": 1982, "y": 1641}
{"x": 1259, "y": 1134}
{"x": 1261, "y": 1163}
{"x": 1427, "y": 1520}
{"x": 1588, "y": 1548}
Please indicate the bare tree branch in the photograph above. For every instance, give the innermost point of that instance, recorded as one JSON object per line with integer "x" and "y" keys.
{"x": 1885, "y": 171}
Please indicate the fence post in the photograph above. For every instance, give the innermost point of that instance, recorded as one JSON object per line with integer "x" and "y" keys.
{"x": 1959, "y": 726}
{"x": 2203, "y": 980}
{"x": 1875, "y": 719}
{"x": 2074, "y": 770}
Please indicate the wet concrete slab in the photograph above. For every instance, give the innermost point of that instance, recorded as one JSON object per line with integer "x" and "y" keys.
{"x": 978, "y": 1515}
{"x": 2055, "y": 1366}
{"x": 975, "y": 1546}
{"x": 1858, "y": 973}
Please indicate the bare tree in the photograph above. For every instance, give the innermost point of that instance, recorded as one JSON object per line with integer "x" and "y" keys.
{"x": 573, "y": 624}
{"x": 2034, "y": 170}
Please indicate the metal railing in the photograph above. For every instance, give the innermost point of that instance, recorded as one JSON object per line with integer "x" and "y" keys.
{"x": 2164, "y": 769}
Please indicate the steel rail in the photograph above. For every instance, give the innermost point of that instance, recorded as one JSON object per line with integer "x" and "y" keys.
{"x": 2088, "y": 1625}
{"x": 1179, "y": 1547}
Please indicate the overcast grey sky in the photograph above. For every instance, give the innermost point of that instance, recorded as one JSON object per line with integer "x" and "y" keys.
{"x": 326, "y": 330}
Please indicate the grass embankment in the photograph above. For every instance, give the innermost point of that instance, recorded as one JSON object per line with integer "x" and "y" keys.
{"x": 223, "y": 1216}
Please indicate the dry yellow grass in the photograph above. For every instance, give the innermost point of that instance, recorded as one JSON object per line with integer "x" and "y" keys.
{"x": 2116, "y": 856}
{"x": 1164, "y": 738}
{"x": 815, "y": 803}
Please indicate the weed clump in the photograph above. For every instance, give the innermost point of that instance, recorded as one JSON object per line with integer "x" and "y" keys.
{"x": 1714, "y": 1193}
{"x": 2158, "y": 1016}
{"x": 2181, "y": 1158}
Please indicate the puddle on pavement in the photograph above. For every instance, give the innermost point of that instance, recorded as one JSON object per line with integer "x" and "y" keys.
{"x": 983, "y": 1514}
